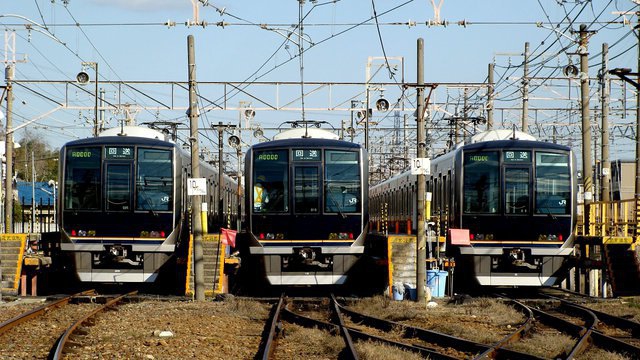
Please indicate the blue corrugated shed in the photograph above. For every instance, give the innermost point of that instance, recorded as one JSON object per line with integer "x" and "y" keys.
{"x": 42, "y": 192}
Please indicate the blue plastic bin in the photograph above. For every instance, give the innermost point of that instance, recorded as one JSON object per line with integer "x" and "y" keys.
{"x": 436, "y": 281}
{"x": 398, "y": 293}
{"x": 410, "y": 291}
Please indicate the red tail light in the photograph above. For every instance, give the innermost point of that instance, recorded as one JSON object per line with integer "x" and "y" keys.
{"x": 560, "y": 237}
{"x": 350, "y": 236}
{"x": 261, "y": 236}
{"x": 73, "y": 233}
{"x": 471, "y": 237}
{"x": 161, "y": 233}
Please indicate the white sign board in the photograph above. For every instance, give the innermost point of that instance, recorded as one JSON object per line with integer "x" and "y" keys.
{"x": 420, "y": 166}
{"x": 197, "y": 186}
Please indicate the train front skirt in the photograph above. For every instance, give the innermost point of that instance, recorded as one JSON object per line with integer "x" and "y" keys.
{"x": 308, "y": 265}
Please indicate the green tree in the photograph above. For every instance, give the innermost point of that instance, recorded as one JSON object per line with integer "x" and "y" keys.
{"x": 35, "y": 152}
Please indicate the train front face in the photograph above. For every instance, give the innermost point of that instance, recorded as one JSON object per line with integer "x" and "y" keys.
{"x": 307, "y": 211}
{"x": 120, "y": 207}
{"x": 518, "y": 201}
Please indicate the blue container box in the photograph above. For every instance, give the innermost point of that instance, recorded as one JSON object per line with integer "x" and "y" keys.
{"x": 436, "y": 281}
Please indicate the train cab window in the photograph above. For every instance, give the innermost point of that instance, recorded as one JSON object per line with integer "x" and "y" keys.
{"x": 82, "y": 178}
{"x": 553, "y": 183}
{"x": 307, "y": 189}
{"x": 342, "y": 182}
{"x": 516, "y": 190}
{"x": 118, "y": 187}
{"x": 481, "y": 182}
{"x": 270, "y": 181}
{"x": 154, "y": 180}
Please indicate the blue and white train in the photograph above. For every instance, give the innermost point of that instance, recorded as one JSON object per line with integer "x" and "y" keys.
{"x": 308, "y": 218}
{"x": 516, "y": 197}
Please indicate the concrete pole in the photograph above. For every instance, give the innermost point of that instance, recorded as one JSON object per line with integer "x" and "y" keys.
{"x": 8, "y": 184}
{"x": 638, "y": 136}
{"x": 525, "y": 90}
{"x": 95, "y": 108}
{"x": 587, "y": 170}
{"x": 220, "y": 175}
{"x": 605, "y": 162}
{"x": 198, "y": 253}
{"x": 421, "y": 241}
{"x": 490, "y": 96}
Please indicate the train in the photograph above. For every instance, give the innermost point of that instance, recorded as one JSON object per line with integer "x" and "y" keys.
{"x": 306, "y": 207}
{"x": 124, "y": 212}
{"x": 503, "y": 209}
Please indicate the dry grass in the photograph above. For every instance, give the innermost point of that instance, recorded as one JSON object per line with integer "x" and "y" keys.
{"x": 628, "y": 308}
{"x": 374, "y": 351}
{"x": 249, "y": 309}
{"x": 483, "y": 320}
{"x": 300, "y": 342}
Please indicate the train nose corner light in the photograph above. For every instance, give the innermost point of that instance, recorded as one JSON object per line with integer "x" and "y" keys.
{"x": 82, "y": 78}
{"x": 382, "y": 104}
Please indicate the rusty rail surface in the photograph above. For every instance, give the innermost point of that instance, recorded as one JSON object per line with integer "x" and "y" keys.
{"x": 267, "y": 345}
{"x": 58, "y": 351}
{"x": 11, "y": 323}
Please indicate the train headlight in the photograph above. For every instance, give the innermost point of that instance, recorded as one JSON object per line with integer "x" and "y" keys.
{"x": 82, "y": 233}
{"x": 271, "y": 236}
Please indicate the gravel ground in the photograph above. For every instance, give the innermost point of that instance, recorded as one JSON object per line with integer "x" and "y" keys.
{"x": 232, "y": 329}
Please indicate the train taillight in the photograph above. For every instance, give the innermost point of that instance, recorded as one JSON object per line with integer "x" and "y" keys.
{"x": 261, "y": 236}
{"x": 73, "y": 233}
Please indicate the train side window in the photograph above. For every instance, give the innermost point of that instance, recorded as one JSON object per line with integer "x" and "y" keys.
{"x": 82, "y": 178}
{"x": 553, "y": 183}
{"x": 154, "y": 180}
{"x": 307, "y": 189}
{"x": 481, "y": 182}
{"x": 516, "y": 190}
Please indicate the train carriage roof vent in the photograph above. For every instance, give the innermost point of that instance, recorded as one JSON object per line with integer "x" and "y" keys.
{"x": 502, "y": 134}
{"x": 313, "y": 133}
{"x": 134, "y": 131}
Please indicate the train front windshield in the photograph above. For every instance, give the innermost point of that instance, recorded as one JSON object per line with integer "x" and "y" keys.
{"x": 501, "y": 182}
{"x": 321, "y": 181}
{"x": 152, "y": 170}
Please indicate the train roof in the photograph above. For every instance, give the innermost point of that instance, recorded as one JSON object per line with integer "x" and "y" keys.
{"x": 132, "y": 135}
{"x": 310, "y": 137}
{"x": 514, "y": 144}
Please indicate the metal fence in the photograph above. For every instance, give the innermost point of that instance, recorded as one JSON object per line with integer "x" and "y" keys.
{"x": 43, "y": 219}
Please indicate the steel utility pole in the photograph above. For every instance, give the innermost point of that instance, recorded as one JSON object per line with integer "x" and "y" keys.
{"x": 525, "y": 90}
{"x": 8, "y": 189}
{"x": 605, "y": 174}
{"x": 221, "y": 128}
{"x": 196, "y": 206}
{"x": 587, "y": 170}
{"x": 421, "y": 240}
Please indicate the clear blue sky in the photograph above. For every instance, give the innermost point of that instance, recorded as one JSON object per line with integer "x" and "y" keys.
{"x": 128, "y": 41}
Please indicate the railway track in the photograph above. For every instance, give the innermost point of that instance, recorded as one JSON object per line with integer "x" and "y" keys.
{"x": 581, "y": 331}
{"x": 332, "y": 317}
{"x": 50, "y": 330}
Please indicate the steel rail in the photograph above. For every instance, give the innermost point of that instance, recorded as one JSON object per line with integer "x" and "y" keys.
{"x": 583, "y": 333}
{"x": 57, "y": 352}
{"x": 19, "y": 319}
{"x": 609, "y": 342}
{"x": 495, "y": 349}
{"x": 333, "y": 328}
{"x": 267, "y": 344}
{"x": 438, "y": 338}
{"x": 343, "y": 328}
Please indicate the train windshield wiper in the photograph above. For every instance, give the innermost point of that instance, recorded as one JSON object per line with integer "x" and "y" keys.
{"x": 335, "y": 203}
